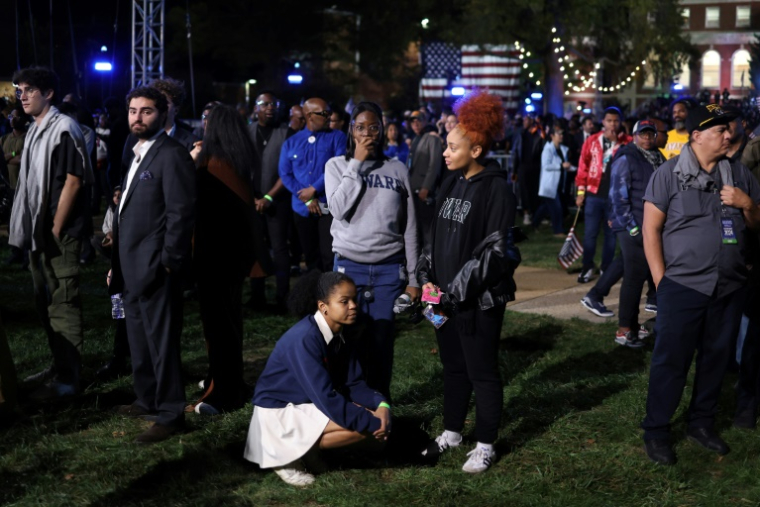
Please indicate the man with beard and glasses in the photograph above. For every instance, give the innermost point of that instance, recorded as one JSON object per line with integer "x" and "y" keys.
{"x": 678, "y": 137}
{"x": 271, "y": 198}
{"x": 49, "y": 218}
{"x": 153, "y": 227}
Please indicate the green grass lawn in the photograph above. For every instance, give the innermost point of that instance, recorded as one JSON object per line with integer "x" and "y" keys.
{"x": 569, "y": 435}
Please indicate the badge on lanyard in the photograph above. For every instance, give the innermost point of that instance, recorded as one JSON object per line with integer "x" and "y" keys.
{"x": 727, "y": 231}
{"x": 311, "y": 139}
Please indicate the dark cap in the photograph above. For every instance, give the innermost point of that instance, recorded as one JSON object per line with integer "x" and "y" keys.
{"x": 643, "y": 125}
{"x": 703, "y": 117}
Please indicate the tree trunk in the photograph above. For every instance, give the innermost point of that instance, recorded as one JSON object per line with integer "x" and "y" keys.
{"x": 554, "y": 96}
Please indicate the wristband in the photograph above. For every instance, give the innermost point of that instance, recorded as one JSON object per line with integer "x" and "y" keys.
{"x": 581, "y": 192}
{"x": 384, "y": 404}
{"x": 308, "y": 202}
{"x": 268, "y": 198}
{"x": 634, "y": 231}
{"x": 13, "y": 154}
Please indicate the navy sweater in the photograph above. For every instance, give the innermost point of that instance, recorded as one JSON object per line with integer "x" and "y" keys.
{"x": 304, "y": 369}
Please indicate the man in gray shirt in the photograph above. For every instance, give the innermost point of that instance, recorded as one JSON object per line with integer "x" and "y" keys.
{"x": 698, "y": 211}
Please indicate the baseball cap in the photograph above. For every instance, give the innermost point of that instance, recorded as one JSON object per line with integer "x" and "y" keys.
{"x": 643, "y": 125}
{"x": 703, "y": 117}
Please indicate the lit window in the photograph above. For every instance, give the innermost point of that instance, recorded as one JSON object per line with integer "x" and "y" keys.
{"x": 740, "y": 69}
{"x": 686, "y": 14}
{"x": 711, "y": 69}
{"x": 742, "y": 16}
{"x": 684, "y": 78}
{"x": 712, "y": 17}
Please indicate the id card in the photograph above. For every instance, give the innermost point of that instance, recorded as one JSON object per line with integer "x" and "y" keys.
{"x": 727, "y": 231}
{"x": 434, "y": 318}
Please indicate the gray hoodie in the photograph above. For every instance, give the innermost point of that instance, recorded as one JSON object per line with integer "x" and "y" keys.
{"x": 372, "y": 205}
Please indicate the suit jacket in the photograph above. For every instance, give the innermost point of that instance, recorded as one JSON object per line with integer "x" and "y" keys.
{"x": 265, "y": 167}
{"x": 426, "y": 164}
{"x": 181, "y": 135}
{"x": 154, "y": 228}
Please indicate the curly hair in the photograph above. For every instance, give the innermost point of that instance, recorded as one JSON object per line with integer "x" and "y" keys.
{"x": 171, "y": 87}
{"x": 481, "y": 118}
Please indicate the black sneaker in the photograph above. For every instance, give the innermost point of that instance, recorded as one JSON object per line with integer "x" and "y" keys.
{"x": 596, "y": 307}
{"x": 660, "y": 451}
{"x": 585, "y": 276}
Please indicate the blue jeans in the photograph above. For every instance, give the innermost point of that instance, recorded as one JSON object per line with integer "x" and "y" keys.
{"x": 596, "y": 217}
{"x": 385, "y": 281}
{"x": 553, "y": 208}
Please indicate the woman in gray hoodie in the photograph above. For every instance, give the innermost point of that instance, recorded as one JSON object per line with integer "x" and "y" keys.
{"x": 374, "y": 234}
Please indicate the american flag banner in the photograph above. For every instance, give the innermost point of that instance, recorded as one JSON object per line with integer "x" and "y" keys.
{"x": 494, "y": 68}
{"x": 571, "y": 250}
{"x": 441, "y": 64}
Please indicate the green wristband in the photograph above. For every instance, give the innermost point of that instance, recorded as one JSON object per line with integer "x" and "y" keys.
{"x": 634, "y": 231}
{"x": 308, "y": 202}
{"x": 268, "y": 198}
{"x": 384, "y": 404}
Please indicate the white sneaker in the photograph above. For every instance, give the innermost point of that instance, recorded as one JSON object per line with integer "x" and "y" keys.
{"x": 295, "y": 474}
{"x": 202, "y": 385}
{"x": 526, "y": 219}
{"x": 436, "y": 448}
{"x": 479, "y": 460}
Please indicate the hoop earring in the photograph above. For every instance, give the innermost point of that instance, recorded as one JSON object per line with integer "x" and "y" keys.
{"x": 325, "y": 312}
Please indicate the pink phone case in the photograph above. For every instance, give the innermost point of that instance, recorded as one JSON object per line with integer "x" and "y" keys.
{"x": 431, "y": 296}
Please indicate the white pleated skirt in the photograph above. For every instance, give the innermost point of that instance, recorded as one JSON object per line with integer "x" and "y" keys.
{"x": 278, "y": 436}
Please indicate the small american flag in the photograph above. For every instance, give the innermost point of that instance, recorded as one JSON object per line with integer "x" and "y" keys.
{"x": 442, "y": 63}
{"x": 571, "y": 250}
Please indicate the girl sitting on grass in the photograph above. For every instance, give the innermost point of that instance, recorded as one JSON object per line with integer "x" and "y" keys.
{"x": 312, "y": 394}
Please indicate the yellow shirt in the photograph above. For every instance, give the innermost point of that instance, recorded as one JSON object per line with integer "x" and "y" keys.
{"x": 676, "y": 141}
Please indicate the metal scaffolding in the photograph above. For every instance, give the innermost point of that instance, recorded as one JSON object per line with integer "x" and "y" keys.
{"x": 147, "y": 41}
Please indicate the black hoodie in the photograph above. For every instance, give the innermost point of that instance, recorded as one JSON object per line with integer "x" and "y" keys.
{"x": 473, "y": 256}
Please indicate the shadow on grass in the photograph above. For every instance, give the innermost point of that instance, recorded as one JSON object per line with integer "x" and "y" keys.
{"x": 202, "y": 476}
{"x": 577, "y": 384}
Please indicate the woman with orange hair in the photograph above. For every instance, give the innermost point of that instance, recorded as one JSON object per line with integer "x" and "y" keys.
{"x": 471, "y": 260}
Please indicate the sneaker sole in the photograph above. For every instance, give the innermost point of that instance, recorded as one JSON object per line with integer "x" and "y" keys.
{"x": 595, "y": 311}
{"x": 650, "y": 311}
{"x": 630, "y": 344}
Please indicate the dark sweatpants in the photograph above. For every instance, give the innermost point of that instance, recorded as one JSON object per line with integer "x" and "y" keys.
{"x": 316, "y": 241}
{"x": 748, "y": 387}
{"x": 154, "y": 326}
{"x": 636, "y": 271}
{"x": 469, "y": 347}
{"x": 688, "y": 322}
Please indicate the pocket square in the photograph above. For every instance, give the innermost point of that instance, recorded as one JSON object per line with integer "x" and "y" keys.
{"x": 146, "y": 175}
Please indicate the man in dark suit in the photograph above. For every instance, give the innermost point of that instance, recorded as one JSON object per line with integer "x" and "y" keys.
{"x": 271, "y": 198}
{"x": 153, "y": 227}
{"x": 174, "y": 92}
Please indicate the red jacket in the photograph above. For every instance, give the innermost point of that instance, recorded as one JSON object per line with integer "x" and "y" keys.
{"x": 591, "y": 165}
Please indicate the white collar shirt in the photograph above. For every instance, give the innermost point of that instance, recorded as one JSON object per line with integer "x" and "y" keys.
{"x": 140, "y": 149}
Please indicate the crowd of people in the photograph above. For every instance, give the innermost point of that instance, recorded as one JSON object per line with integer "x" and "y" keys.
{"x": 385, "y": 214}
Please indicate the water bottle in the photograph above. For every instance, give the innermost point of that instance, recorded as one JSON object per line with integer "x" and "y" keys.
{"x": 117, "y": 307}
{"x": 402, "y": 304}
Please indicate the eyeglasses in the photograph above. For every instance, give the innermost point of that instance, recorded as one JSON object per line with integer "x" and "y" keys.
{"x": 647, "y": 134}
{"x": 373, "y": 129}
{"x": 323, "y": 114}
{"x": 28, "y": 91}
{"x": 263, "y": 104}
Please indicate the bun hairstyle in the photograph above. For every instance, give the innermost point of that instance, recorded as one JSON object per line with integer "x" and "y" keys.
{"x": 481, "y": 118}
{"x": 312, "y": 288}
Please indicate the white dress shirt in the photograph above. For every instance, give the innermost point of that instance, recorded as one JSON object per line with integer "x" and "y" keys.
{"x": 140, "y": 149}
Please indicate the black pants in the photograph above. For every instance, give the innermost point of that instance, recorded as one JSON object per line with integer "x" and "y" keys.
{"x": 154, "y": 326}
{"x": 120, "y": 340}
{"x": 219, "y": 298}
{"x": 425, "y": 214}
{"x": 611, "y": 276}
{"x": 687, "y": 322}
{"x": 748, "y": 387}
{"x": 637, "y": 273}
{"x": 316, "y": 240}
{"x": 277, "y": 221}
{"x": 469, "y": 347}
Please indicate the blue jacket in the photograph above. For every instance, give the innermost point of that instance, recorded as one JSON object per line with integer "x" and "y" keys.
{"x": 551, "y": 170}
{"x": 302, "y": 164}
{"x": 628, "y": 182}
{"x": 400, "y": 152}
{"x": 303, "y": 369}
